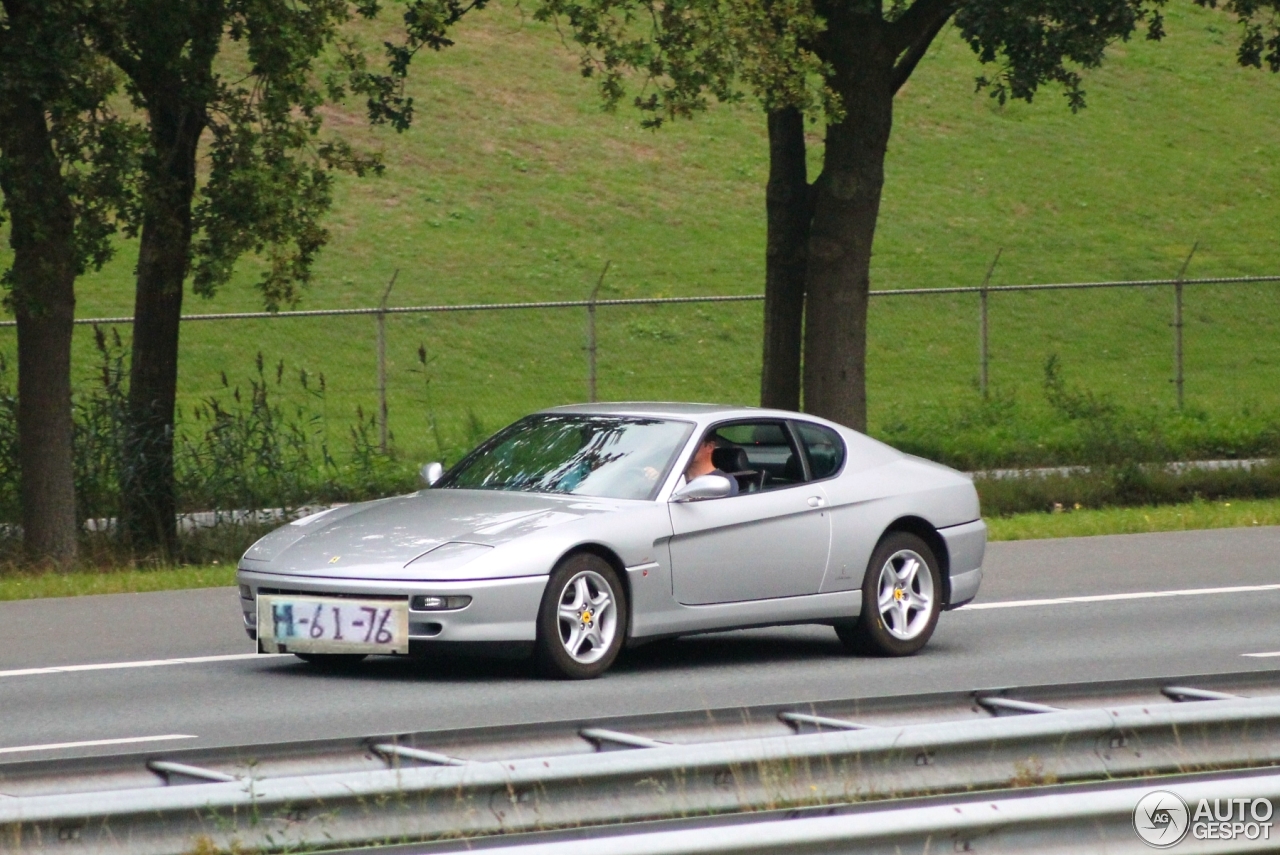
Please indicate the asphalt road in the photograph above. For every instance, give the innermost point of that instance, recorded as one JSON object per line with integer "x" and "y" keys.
{"x": 261, "y": 699}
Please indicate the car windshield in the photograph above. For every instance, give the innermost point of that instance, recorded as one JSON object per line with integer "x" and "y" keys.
{"x": 610, "y": 457}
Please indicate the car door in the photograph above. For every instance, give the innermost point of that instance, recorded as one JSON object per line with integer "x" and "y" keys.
{"x": 770, "y": 542}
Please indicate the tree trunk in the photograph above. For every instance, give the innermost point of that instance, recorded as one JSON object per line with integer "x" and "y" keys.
{"x": 789, "y": 212}
{"x": 42, "y": 236}
{"x": 149, "y": 506}
{"x": 844, "y": 221}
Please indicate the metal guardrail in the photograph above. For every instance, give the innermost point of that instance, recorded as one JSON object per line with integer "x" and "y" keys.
{"x": 121, "y": 769}
{"x": 425, "y": 796}
{"x": 1179, "y": 467}
{"x": 1086, "y": 818}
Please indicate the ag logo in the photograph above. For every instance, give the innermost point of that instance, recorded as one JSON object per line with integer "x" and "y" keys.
{"x": 1161, "y": 819}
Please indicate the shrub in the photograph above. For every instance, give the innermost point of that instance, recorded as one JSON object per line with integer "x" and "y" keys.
{"x": 1125, "y": 486}
{"x": 1071, "y": 426}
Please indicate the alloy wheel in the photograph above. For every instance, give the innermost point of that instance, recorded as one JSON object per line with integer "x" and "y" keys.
{"x": 905, "y": 594}
{"x": 587, "y": 617}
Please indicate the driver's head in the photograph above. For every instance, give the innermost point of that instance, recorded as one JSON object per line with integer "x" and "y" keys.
{"x": 701, "y": 462}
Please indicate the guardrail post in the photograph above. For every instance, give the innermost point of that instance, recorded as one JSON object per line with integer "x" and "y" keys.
{"x": 382, "y": 363}
{"x": 1177, "y": 326}
{"x": 984, "y": 354}
{"x": 591, "y": 335}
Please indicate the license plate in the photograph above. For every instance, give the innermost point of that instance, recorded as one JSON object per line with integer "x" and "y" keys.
{"x": 331, "y": 625}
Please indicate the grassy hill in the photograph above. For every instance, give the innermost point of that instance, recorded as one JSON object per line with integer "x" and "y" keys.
{"x": 514, "y": 186}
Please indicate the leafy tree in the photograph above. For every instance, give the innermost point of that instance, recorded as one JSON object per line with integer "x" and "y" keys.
{"x": 1259, "y": 30}
{"x": 240, "y": 77}
{"x": 65, "y": 165}
{"x": 844, "y": 62}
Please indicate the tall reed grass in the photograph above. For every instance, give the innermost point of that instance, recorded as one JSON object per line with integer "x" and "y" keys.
{"x": 263, "y": 442}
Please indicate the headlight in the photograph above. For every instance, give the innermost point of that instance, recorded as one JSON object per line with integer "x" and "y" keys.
{"x": 246, "y": 593}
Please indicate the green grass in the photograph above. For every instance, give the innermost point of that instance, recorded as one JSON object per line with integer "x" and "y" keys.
{"x": 513, "y": 185}
{"x": 27, "y": 586}
{"x": 1085, "y": 523}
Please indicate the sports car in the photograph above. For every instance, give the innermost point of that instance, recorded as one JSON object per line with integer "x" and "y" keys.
{"x": 579, "y": 530}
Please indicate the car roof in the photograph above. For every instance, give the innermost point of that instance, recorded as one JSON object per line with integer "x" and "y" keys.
{"x": 677, "y": 410}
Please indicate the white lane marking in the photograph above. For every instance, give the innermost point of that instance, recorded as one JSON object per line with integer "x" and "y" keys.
{"x": 1102, "y": 598}
{"x": 1262, "y": 655}
{"x": 144, "y": 663}
{"x": 54, "y": 746}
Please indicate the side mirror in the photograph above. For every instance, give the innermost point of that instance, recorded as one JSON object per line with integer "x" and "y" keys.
{"x": 431, "y": 472}
{"x": 704, "y": 487}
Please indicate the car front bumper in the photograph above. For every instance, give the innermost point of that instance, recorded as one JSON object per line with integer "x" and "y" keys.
{"x": 501, "y": 610}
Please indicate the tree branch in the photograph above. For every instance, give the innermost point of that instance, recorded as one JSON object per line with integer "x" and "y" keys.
{"x": 911, "y": 57}
{"x": 109, "y": 38}
{"x": 921, "y": 21}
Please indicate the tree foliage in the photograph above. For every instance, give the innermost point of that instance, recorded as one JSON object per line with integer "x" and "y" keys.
{"x": 43, "y": 59}
{"x": 67, "y": 168}
{"x": 1260, "y": 30}
{"x": 247, "y": 69}
{"x": 1033, "y": 42}
{"x": 781, "y": 51}
{"x": 257, "y": 71}
{"x": 842, "y": 63}
{"x": 426, "y": 25}
{"x": 242, "y": 82}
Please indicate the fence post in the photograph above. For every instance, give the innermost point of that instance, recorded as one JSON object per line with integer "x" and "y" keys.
{"x": 983, "y": 352}
{"x": 591, "y": 335}
{"x": 1177, "y": 325}
{"x": 382, "y": 363}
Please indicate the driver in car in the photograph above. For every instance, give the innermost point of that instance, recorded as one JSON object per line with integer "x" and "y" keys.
{"x": 701, "y": 464}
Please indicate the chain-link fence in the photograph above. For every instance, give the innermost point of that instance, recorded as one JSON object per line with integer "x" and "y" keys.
{"x": 444, "y": 376}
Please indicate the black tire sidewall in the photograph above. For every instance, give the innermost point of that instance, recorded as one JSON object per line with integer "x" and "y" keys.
{"x": 551, "y": 658}
{"x": 873, "y": 636}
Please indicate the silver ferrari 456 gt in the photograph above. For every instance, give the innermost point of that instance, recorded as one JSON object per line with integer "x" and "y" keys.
{"x": 579, "y": 529}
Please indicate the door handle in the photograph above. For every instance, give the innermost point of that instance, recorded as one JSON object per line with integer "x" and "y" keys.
{"x": 815, "y": 501}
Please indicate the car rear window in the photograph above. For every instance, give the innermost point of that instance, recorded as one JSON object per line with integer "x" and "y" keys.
{"x": 824, "y": 447}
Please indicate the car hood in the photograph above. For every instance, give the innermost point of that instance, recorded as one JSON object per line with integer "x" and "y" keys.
{"x": 362, "y": 540}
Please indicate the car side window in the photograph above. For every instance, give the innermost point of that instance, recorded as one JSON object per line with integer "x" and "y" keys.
{"x": 824, "y": 447}
{"x": 771, "y": 460}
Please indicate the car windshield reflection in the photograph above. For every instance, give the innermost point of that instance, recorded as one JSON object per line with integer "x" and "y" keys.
{"x": 609, "y": 457}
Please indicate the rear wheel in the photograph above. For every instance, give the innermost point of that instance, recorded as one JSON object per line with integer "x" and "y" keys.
{"x": 901, "y": 598}
{"x": 332, "y": 661}
{"x": 583, "y": 619}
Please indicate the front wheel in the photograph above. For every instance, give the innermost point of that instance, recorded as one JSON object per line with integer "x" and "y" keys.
{"x": 901, "y": 599}
{"x": 583, "y": 619}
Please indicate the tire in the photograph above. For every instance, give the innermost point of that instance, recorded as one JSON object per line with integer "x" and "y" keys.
{"x": 901, "y": 599}
{"x": 332, "y": 661}
{"x": 582, "y": 622}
